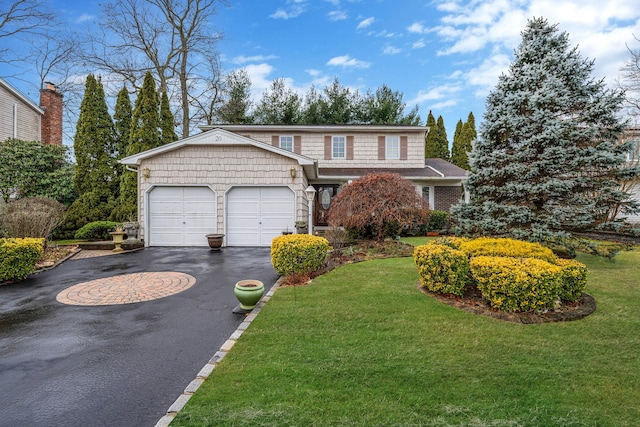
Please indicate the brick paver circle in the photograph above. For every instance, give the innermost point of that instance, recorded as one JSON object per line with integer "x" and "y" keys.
{"x": 127, "y": 288}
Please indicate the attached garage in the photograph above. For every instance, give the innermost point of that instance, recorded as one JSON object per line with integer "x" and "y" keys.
{"x": 181, "y": 216}
{"x": 255, "y": 215}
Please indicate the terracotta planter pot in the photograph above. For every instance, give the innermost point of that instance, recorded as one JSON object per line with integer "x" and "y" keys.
{"x": 215, "y": 241}
{"x": 248, "y": 293}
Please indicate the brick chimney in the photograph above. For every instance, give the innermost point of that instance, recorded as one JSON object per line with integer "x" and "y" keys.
{"x": 51, "y": 103}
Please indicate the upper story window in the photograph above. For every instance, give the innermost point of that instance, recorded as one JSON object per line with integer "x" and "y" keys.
{"x": 634, "y": 154}
{"x": 286, "y": 142}
{"x": 392, "y": 147}
{"x": 339, "y": 147}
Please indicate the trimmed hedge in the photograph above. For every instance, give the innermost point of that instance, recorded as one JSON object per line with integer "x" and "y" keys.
{"x": 574, "y": 279}
{"x": 19, "y": 257}
{"x": 298, "y": 253}
{"x": 502, "y": 247}
{"x": 442, "y": 268}
{"x": 517, "y": 284}
{"x": 97, "y": 230}
{"x": 437, "y": 220}
{"x": 452, "y": 242}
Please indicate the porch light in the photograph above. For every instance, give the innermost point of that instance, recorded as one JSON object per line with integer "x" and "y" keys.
{"x": 292, "y": 172}
{"x": 146, "y": 173}
{"x": 311, "y": 193}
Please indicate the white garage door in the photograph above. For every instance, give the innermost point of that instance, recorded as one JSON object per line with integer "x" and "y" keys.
{"x": 255, "y": 215}
{"x": 181, "y": 216}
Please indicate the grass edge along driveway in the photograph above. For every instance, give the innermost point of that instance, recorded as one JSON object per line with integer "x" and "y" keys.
{"x": 362, "y": 346}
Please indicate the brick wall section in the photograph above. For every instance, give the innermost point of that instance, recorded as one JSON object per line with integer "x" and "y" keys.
{"x": 445, "y": 197}
{"x": 221, "y": 168}
{"x": 51, "y": 103}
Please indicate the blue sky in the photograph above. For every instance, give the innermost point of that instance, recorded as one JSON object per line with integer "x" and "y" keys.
{"x": 443, "y": 55}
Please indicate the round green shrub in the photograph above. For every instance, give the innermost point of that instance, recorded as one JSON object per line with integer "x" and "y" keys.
{"x": 437, "y": 220}
{"x": 298, "y": 253}
{"x": 442, "y": 269}
{"x": 573, "y": 278}
{"x": 97, "y": 230}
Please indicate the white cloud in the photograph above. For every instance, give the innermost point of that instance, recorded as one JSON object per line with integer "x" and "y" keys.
{"x": 295, "y": 9}
{"x": 417, "y": 28}
{"x": 258, "y": 74}
{"x": 337, "y": 15}
{"x": 442, "y": 92}
{"x": 347, "y": 61}
{"x": 241, "y": 59}
{"x": 418, "y": 44}
{"x": 391, "y": 50}
{"x": 365, "y": 23}
{"x": 85, "y": 17}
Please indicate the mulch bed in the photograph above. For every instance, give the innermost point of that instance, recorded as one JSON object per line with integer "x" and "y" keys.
{"x": 471, "y": 301}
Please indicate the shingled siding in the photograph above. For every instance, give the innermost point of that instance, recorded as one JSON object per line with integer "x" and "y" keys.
{"x": 221, "y": 168}
{"x": 365, "y": 148}
{"x": 445, "y": 197}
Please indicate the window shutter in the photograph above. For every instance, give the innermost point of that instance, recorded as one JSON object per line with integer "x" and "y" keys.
{"x": 350, "y": 147}
{"x": 404, "y": 147}
{"x": 327, "y": 147}
{"x": 297, "y": 144}
{"x": 381, "y": 148}
{"x": 275, "y": 140}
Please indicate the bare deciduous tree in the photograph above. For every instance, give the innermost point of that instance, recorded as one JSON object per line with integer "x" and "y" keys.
{"x": 21, "y": 18}
{"x": 172, "y": 38}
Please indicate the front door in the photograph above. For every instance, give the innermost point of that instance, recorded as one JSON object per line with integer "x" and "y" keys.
{"x": 324, "y": 196}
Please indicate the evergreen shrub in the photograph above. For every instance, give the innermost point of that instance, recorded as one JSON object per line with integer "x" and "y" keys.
{"x": 442, "y": 268}
{"x": 517, "y": 284}
{"x": 452, "y": 242}
{"x": 573, "y": 279}
{"x": 437, "y": 220}
{"x": 298, "y": 253}
{"x": 97, "y": 230}
{"x": 503, "y": 247}
{"x": 18, "y": 257}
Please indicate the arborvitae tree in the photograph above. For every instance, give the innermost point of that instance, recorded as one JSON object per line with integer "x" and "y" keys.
{"x": 443, "y": 141}
{"x": 278, "y": 105}
{"x": 547, "y": 152}
{"x": 145, "y": 135}
{"x": 236, "y": 106}
{"x": 96, "y": 174}
{"x": 167, "y": 122}
{"x": 463, "y": 144}
{"x": 122, "y": 127}
{"x": 94, "y": 142}
{"x": 431, "y": 140}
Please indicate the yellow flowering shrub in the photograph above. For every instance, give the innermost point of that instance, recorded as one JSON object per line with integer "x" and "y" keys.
{"x": 18, "y": 257}
{"x": 442, "y": 268}
{"x": 573, "y": 278}
{"x": 517, "y": 284}
{"x": 298, "y": 253}
{"x": 502, "y": 247}
{"x": 452, "y": 242}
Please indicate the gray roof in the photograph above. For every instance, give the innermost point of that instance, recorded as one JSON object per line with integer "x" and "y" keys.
{"x": 434, "y": 168}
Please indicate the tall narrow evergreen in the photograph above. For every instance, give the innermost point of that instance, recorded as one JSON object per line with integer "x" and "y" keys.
{"x": 431, "y": 140}
{"x": 145, "y": 135}
{"x": 167, "y": 121}
{"x": 94, "y": 142}
{"x": 443, "y": 141}
{"x": 547, "y": 159}
{"x": 122, "y": 127}
{"x": 464, "y": 143}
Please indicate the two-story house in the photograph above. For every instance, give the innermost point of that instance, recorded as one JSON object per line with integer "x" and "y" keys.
{"x": 23, "y": 119}
{"x": 248, "y": 181}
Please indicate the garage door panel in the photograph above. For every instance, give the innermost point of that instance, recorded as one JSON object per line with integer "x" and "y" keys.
{"x": 255, "y": 215}
{"x": 181, "y": 216}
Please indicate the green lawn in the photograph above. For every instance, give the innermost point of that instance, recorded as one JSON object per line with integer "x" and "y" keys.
{"x": 362, "y": 346}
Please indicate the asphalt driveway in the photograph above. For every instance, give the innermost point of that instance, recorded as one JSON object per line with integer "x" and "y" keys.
{"x": 116, "y": 365}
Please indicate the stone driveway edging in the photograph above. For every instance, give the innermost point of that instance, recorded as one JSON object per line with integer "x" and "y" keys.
{"x": 207, "y": 369}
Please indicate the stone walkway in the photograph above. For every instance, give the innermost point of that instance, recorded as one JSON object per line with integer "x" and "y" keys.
{"x": 126, "y": 289}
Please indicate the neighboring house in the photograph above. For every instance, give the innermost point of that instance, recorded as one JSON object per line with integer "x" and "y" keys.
{"x": 23, "y": 119}
{"x": 633, "y": 159}
{"x": 248, "y": 181}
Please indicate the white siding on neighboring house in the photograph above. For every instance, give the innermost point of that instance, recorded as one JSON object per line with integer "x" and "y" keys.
{"x": 19, "y": 117}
